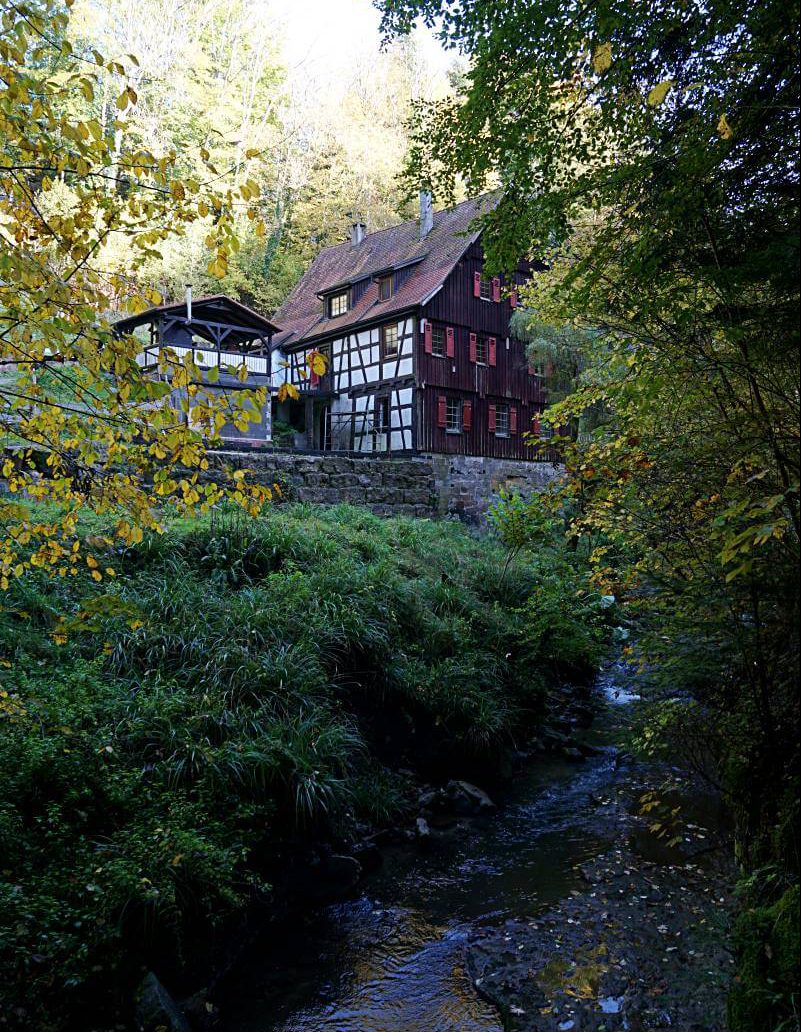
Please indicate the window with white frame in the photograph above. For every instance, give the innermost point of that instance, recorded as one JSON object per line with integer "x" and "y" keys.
{"x": 385, "y": 288}
{"x": 485, "y": 289}
{"x": 453, "y": 416}
{"x": 438, "y": 341}
{"x": 338, "y": 304}
{"x": 482, "y": 350}
{"x": 501, "y": 420}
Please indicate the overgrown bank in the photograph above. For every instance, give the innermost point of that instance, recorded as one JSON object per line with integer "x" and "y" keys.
{"x": 236, "y": 690}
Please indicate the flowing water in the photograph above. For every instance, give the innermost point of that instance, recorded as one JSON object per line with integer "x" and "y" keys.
{"x": 392, "y": 960}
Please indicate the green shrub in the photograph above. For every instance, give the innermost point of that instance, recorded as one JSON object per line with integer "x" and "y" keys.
{"x": 231, "y": 693}
{"x": 765, "y": 993}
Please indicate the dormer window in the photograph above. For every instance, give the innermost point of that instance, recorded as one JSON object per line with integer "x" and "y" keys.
{"x": 337, "y": 304}
{"x": 385, "y": 288}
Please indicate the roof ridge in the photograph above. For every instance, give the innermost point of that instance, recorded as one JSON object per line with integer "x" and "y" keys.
{"x": 434, "y": 257}
{"x": 406, "y": 222}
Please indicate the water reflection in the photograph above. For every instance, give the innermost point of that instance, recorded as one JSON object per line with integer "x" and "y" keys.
{"x": 392, "y": 960}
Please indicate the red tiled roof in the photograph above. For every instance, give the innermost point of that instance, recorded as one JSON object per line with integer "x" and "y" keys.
{"x": 301, "y": 316}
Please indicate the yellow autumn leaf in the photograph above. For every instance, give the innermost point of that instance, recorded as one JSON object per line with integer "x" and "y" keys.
{"x": 602, "y": 58}
{"x": 657, "y": 95}
{"x": 725, "y": 131}
{"x": 318, "y": 363}
{"x": 288, "y": 390}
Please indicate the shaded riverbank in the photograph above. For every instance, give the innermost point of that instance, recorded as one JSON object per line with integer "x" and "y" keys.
{"x": 562, "y": 911}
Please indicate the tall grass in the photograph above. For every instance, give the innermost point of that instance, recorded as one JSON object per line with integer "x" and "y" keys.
{"x": 243, "y": 686}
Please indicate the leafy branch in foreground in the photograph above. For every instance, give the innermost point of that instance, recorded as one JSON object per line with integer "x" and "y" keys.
{"x": 83, "y": 425}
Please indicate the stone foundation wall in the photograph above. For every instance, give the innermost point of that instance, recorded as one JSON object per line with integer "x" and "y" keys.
{"x": 467, "y": 485}
{"x": 423, "y": 485}
{"x": 390, "y": 487}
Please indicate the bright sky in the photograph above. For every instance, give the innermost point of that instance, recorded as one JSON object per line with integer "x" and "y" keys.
{"x": 323, "y": 36}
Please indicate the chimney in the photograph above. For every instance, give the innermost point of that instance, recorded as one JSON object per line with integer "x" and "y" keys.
{"x": 358, "y": 231}
{"x": 426, "y": 213}
{"x": 189, "y": 302}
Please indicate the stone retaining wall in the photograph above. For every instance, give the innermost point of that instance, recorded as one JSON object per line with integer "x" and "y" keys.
{"x": 422, "y": 485}
{"x": 466, "y": 485}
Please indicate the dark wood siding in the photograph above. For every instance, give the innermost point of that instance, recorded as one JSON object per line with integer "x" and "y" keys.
{"x": 507, "y": 382}
{"x": 456, "y": 306}
{"x": 479, "y": 440}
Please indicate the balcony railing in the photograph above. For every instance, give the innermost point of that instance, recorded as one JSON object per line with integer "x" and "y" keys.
{"x": 208, "y": 358}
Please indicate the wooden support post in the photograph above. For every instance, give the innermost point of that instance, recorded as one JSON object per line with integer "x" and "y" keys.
{"x": 309, "y": 422}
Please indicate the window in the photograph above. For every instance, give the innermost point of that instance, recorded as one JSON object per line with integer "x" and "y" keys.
{"x": 438, "y": 341}
{"x": 501, "y": 420}
{"x": 482, "y": 350}
{"x": 453, "y": 416}
{"x": 389, "y": 340}
{"x": 485, "y": 289}
{"x": 338, "y": 304}
{"x": 385, "y": 288}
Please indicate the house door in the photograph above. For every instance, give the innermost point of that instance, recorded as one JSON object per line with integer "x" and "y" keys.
{"x": 325, "y": 428}
{"x": 382, "y": 425}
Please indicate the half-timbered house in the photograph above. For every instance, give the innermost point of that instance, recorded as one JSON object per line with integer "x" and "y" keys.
{"x": 417, "y": 340}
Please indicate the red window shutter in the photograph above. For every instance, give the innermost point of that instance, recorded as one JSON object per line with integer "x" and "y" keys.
{"x": 513, "y": 419}
{"x": 476, "y": 284}
{"x": 467, "y": 415}
{"x": 450, "y": 349}
{"x": 536, "y": 426}
{"x": 441, "y": 411}
{"x": 491, "y": 418}
{"x": 513, "y": 299}
{"x": 496, "y": 289}
{"x": 492, "y": 348}
{"x": 473, "y": 347}
{"x": 427, "y": 337}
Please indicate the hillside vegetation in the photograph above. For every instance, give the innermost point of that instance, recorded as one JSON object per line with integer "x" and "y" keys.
{"x": 242, "y": 687}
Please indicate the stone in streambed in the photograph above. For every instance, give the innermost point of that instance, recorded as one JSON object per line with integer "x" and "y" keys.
{"x": 468, "y": 799}
{"x": 456, "y": 799}
{"x": 155, "y": 1009}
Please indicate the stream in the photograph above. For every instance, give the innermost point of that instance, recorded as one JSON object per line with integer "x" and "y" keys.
{"x": 393, "y": 959}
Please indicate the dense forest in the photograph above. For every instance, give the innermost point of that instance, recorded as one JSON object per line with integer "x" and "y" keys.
{"x": 213, "y": 87}
{"x": 205, "y": 687}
